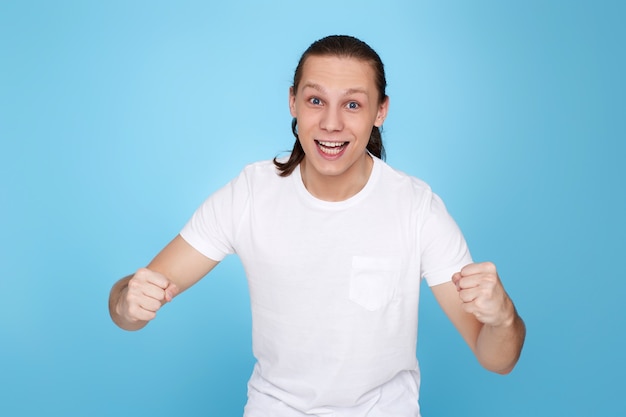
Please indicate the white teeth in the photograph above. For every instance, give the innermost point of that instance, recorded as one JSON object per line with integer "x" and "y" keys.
{"x": 331, "y": 148}
{"x": 331, "y": 144}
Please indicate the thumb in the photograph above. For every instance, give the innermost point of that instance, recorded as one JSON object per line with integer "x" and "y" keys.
{"x": 171, "y": 291}
{"x": 456, "y": 278}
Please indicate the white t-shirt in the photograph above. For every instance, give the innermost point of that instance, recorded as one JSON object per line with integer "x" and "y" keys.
{"x": 334, "y": 286}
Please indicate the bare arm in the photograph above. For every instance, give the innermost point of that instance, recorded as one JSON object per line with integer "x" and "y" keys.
{"x": 478, "y": 306}
{"x": 134, "y": 300}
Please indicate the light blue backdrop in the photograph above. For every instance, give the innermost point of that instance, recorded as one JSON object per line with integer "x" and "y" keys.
{"x": 118, "y": 118}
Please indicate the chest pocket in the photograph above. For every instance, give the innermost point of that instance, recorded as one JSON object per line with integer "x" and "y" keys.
{"x": 373, "y": 281}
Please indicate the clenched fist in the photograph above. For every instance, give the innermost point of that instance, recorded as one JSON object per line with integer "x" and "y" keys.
{"x": 145, "y": 293}
{"x": 483, "y": 295}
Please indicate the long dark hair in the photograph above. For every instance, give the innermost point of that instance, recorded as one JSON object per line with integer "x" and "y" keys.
{"x": 344, "y": 47}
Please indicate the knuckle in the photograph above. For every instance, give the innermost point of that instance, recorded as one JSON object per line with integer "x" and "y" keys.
{"x": 133, "y": 284}
{"x": 139, "y": 274}
{"x": 142, "y": 271}
{"x": 489, "y": 266}
{"x": 134, "y": 311}
{"x": 488, "y": 287}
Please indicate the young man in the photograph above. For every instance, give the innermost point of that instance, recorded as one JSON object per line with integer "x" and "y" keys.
{"x": 334, "y": 243}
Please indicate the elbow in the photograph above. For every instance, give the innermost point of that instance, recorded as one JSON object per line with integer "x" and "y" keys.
{"x": 501, "y": 355}
{"x": 499, "y": 369}
{"x": 504, "y": 371}
{"x": 501, "y": 366}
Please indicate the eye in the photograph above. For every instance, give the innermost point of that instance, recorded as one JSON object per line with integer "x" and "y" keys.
{"x": 315, "y": 101}
{"x": 353, "y": 105}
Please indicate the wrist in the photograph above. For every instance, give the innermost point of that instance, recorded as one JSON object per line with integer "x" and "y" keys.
{"x": 508, "y": 316}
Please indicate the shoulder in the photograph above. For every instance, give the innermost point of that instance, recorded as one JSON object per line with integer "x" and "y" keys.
{"x": 258, "y": 177}
{"x": 399, "y": 181}
{"x": 260, "y": 168}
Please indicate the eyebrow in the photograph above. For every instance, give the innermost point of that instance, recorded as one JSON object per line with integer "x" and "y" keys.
{"x": 347, "y": 92}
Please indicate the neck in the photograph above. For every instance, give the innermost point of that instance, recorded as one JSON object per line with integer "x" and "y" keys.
{"x": 337, "y": 187}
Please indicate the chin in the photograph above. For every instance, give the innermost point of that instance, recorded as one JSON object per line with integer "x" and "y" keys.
{"x": 334, "y": 168}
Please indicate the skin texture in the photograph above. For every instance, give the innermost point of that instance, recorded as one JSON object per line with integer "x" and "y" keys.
{"x": 481, "y": 310}
{"x": 136, "y": 299}
{"x": 337, "y": 103}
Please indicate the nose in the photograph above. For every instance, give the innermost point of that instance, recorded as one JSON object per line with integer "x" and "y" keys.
{"x": 331, "y": 119}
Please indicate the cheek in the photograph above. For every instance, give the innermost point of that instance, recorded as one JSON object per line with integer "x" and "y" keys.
{"x": 363, "y": 127}
{"x": 306, "y": 118}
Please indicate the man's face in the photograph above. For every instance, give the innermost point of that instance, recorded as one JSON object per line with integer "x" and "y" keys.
{"x": 336, "y": 106}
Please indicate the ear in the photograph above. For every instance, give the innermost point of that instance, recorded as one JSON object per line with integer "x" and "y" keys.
{"x": 292, "y": 102}
{"x": 382, "y": 112}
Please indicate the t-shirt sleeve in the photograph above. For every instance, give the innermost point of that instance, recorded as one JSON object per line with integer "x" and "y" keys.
{"x": 213, "y": 227}
{"x": 444, "y": 249}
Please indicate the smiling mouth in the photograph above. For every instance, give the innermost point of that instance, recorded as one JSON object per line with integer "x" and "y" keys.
{"x": 331, "y": 148}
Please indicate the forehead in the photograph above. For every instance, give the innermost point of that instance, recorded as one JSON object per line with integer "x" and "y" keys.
{"x": 338, "y": 73}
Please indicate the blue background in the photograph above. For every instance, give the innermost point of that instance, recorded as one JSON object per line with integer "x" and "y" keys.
{"x": 118, "y": 118}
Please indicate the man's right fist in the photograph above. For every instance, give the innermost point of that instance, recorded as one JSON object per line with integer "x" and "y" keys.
{"x": 146, "y": 293}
